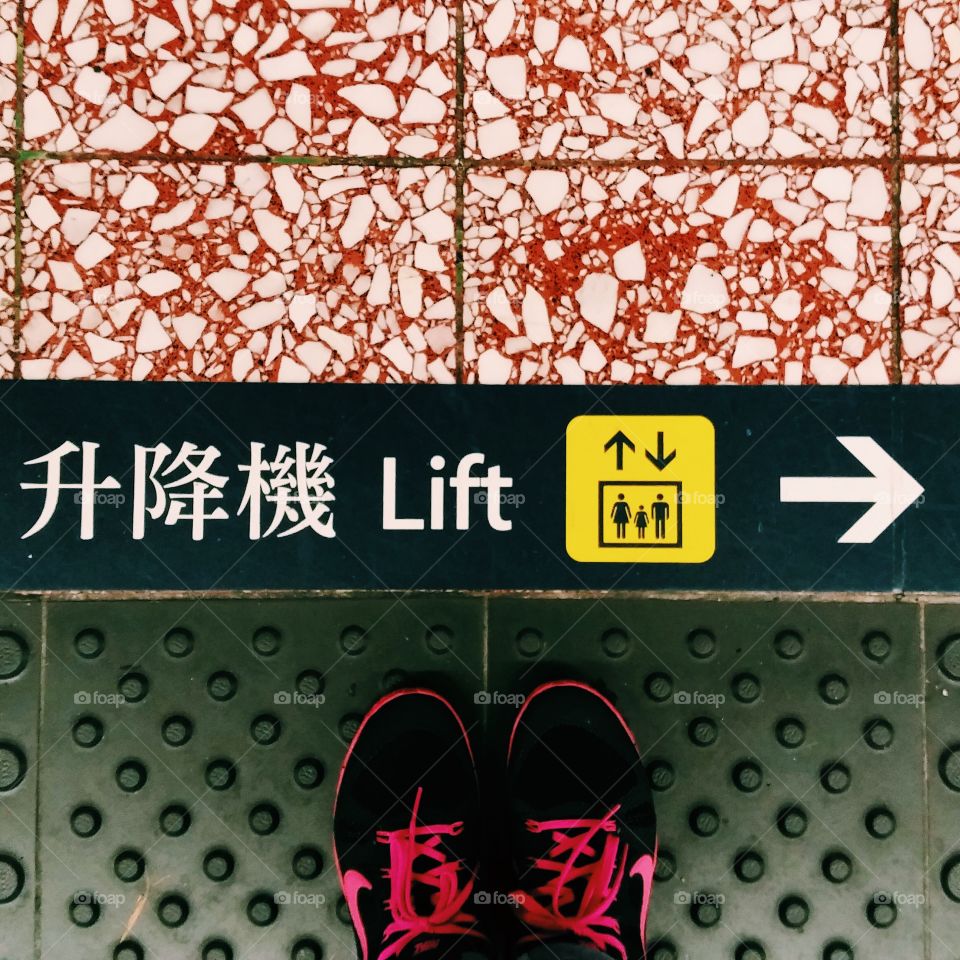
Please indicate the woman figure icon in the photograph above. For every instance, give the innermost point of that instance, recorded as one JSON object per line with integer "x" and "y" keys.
{"x": 621, "y": 516}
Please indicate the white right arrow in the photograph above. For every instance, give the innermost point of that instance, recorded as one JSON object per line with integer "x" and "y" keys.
{"x": 889, "y": 490}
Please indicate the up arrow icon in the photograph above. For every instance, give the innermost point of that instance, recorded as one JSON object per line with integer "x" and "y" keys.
{"x": 619, "y": 440}
{"x": 889, "y": 490}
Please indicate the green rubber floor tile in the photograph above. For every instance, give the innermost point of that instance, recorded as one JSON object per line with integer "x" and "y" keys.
{"x": 20, "y": 671}
{"x": 785, "y": 752}
{"x": 190, "y": 757}
{"x": 942, "y": 636}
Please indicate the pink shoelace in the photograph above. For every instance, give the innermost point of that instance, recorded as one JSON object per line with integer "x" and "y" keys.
{"x": 448, "y": 897}
{"x": 577, "y": 841}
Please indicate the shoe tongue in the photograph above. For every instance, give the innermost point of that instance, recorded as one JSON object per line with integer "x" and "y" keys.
{"x": 634, "y": 827}
{"x": 530, "y": 845}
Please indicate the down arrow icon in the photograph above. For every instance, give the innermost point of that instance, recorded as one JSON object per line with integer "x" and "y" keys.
{"x": 889, "y": 490}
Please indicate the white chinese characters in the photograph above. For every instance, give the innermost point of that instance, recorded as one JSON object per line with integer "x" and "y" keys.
{"x": 286, "y": 493}
{"x": 87, "y": 486}
{"x": 298, "y": 485}
{"x": 180, "y": 487}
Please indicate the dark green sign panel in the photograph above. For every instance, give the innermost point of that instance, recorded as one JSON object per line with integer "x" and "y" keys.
{"x": 196, "y": 486}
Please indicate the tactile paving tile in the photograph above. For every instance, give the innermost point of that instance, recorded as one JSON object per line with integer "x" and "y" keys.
{"x": 789, "y": 810}
{"x": 191, "y": 818}
{"x": 942, "y": 644}
{"x": 20, "y": 670}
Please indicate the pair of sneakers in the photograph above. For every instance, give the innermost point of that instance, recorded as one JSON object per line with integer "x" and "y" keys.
{"x": 409, "y": 831}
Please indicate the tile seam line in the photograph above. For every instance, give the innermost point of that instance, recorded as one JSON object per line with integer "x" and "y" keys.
{"x": 325, "y": 160}
{"x": 509, "y": 163}
{"x": 460, "y": 147}
{"x": 459, "y": 271}
{"x": 896, "y": 180}
{"x": 626, "y": 163}
{"x": 920, "y": 159}
{"x": 41, "y": 704}
{"x": 925, "y": 786}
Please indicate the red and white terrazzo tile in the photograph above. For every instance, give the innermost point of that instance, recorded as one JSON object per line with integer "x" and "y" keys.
{"x": 7, "y": 281}
{"x": 238, "y": 272}
{"x": 700, "y": 79}
{"x": 930, "y": 238}
{"x": 930, "y": 77}
{"x": 348, "y": 77}
{"x": 751, "y": 274}
{"x": 8, "y": 72}
{"x": 765, "y": 270}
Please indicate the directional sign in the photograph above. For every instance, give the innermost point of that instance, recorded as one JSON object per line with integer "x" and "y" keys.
{"x": 183, "y": 487}
{"x": 889, "y": 489}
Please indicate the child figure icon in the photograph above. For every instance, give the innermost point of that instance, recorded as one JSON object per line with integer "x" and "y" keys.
{"x": 641, "y": 519}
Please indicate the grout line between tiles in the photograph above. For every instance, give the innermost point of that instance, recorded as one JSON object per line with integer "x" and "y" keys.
{"x": 234, "y": 158}
{"x": 486, "y": 643}
{"x": 925, "y": 786}
{"x": 460, "y": 175}
{"x": 476, "y": 163}
{"x": 692, "y": 163}
{"x": 41, "y": 704}
{"x": 896, "y": 179}
{"x": 485, "y": 664}
{"x": 459, "y": 278}
{"x": 920, "y": 159}
{"x": 454, "y": 160}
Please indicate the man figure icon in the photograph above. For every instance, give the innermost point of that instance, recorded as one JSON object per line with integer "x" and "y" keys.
{"x": 621, "y": 516}
{"x": 661, "y": 510}
{"x": 641, "y": 519}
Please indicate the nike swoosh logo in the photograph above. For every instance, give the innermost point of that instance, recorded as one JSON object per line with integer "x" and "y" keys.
{"x": 353, "y": 883}
{"x": 645, "y": 868}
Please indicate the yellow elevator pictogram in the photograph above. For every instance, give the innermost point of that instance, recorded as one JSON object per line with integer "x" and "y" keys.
{"x": 641, "y": 489}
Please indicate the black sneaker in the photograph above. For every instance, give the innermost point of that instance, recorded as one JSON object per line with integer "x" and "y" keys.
{"x": 406, "y": 825}
{"x": 583, "y": 831}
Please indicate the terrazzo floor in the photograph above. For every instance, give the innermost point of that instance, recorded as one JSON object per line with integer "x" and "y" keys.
{"x": 593, "y": 191}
